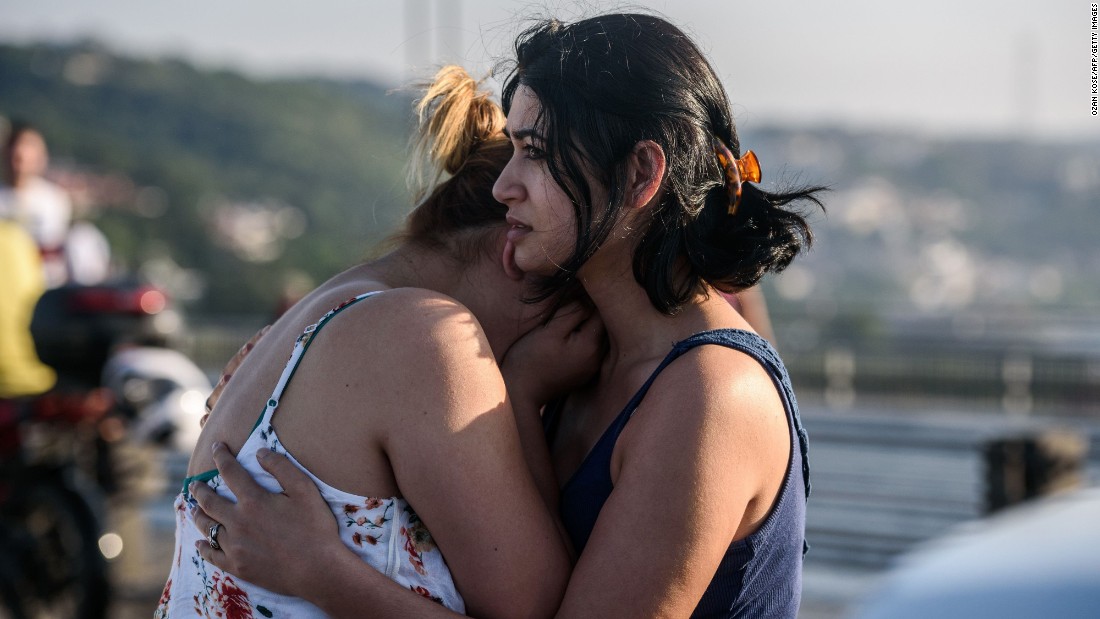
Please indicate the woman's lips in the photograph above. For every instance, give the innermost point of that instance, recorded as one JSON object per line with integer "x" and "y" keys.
{"x": 517, "y": 231}
{"x": 516, "y": 227}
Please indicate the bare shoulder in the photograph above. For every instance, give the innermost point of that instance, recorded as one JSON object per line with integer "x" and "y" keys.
{"x": 713, "y": 421}
{"x": 406, "y": 322}
{"x": 720, "y": 400}
{"x": 410, "y": 348}
{"x": 717, "y": 381}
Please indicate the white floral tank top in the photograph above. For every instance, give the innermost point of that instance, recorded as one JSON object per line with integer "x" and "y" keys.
{"x": 385, "y": 532}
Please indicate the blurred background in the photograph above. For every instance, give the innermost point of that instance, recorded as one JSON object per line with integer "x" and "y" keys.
{"x": 943, "y": 334}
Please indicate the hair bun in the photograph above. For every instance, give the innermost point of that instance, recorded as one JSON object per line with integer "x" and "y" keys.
{"x": 454, "y": 117}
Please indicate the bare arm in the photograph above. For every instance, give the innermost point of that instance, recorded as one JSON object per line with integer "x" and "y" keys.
{"x": 456, "y": 455}
{"x": 696, "y": 468}
{"x": 228, "y": 371}
{"x": 546, "y": 363}
{"x": 251, "y": 546}
{"x": 702, "y": 476}
{"x": 707, "y": 465}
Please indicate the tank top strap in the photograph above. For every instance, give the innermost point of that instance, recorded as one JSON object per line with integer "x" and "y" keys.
{"x": 746, "y": 342}
{"x": 301, "y": 345}
{"x": 585, "y": 492}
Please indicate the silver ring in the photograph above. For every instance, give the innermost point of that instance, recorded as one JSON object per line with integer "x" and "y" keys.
{"x": 212, "y": 535}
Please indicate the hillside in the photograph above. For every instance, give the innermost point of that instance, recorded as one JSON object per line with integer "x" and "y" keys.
{"x": 937, "y": 224}
{"x": 238, "y": 181}
{"x": 246, "y": 183}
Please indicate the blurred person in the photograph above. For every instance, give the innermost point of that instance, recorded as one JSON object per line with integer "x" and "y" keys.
{"x": 752, "y": 305}
{"x": 295, "y": 286}
{"x": 87, "y": 254}
{"x": 21, "y": 282}
{"x": 41, "y": 207}
{"x": 683, "y": 464}
{"x": 399, "y": 412}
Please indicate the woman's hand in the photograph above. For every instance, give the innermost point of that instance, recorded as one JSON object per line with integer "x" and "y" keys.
{"x": 553, "y": 359}
{"x": 227, "y": 373}
{"x": 275, "y": 540}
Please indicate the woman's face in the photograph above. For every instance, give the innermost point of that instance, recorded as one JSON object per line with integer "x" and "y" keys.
{"x": 28, "y": 156}
{"x": 542, "y": 223}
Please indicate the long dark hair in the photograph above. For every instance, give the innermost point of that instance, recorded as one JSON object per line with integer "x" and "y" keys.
{"x": 605, "y": 84}
{"x": 16, "y": 130}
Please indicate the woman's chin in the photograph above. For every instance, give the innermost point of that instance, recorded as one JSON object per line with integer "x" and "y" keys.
{"x": 527, "y": 259}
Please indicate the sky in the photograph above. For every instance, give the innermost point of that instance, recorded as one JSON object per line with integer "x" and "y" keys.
{"x": 946, "y": 67}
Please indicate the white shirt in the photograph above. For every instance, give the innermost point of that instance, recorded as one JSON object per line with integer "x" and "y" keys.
{"x": 45, "y": 212}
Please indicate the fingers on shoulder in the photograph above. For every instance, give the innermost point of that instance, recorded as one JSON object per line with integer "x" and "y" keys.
{"x": 292, "y": 479}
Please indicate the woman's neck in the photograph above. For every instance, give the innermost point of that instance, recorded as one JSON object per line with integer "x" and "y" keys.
{"x": 410, "y": 266}
{"x": 637, "y": 331}
{"x": 22, "y": 181}
{"x": 480, "y": 285}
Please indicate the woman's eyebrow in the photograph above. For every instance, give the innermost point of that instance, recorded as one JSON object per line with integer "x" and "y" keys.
{"x": 525, "y": 132}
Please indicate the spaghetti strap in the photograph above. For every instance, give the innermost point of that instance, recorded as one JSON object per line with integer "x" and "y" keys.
{"x": 301, "y": 345}
{"x": 758, "y": 348}
{"x": 373, "y": 528}
{"x": 585, "y": 491}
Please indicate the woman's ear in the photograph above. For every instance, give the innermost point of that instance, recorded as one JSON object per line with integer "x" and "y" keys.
{"x": 647, "y": 171}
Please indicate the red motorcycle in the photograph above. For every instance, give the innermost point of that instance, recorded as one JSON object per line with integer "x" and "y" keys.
{"x": 51, "y": 512}
{"x": 117, "y": 378}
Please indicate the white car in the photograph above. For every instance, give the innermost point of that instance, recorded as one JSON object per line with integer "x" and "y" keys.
{"x": 1037, "y": 560}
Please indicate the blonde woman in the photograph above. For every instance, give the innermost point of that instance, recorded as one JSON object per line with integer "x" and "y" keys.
{"x": 392, "y": 403}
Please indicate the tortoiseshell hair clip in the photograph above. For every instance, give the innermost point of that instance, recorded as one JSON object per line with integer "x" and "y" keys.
{"x": 736, "y": 171}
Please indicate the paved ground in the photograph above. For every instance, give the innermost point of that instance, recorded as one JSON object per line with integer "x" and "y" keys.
{"x": 144, "y": 521}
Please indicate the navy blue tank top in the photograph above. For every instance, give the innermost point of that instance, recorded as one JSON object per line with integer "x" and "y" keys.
{"x": 759, "y": 576}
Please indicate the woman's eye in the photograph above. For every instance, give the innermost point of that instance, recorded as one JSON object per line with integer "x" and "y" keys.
{"x": 533, "y": 152}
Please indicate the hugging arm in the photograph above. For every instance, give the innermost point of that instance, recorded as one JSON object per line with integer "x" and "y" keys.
{"x": 724, "y": 441}
{"x": 228, "y": 371}
{"x": 546, "y": 363}
{"x": 295, "y": 548}
{"x": 700, "y": 497}
{"x": 465, "y": 475}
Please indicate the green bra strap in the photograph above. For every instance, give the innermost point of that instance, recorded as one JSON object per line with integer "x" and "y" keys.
{"x": 206, "y": 476}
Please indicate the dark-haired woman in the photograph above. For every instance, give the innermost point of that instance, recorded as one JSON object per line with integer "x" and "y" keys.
{"x": 683, "y": 464}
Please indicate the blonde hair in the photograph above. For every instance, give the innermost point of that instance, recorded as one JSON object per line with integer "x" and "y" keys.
{"x": 454, "y": 117}
{"x": 457, "y": 153}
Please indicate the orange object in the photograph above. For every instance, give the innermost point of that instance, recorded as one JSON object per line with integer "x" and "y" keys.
{"x": 736, "y": 171}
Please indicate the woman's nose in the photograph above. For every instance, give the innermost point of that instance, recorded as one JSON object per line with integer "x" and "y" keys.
{"x": 506, "y": 189}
